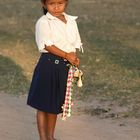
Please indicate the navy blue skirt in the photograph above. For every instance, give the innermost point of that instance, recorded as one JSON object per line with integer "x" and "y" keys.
{"x": 48, "y": 86}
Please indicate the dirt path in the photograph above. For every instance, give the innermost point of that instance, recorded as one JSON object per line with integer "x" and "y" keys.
{"x": 17, "y": 122}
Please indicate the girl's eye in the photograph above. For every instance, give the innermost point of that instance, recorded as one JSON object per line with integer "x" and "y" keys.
{"x": 52, "y": 3}
{"x": 61, "y": 3}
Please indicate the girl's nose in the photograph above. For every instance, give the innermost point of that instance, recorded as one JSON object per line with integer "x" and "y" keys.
{"x": 56, "y": 6}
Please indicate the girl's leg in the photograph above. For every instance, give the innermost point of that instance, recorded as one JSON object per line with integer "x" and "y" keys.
{"x": 46, "y": 125}
{"x": 42, "y": 124}
{"x": 51, "y": 123}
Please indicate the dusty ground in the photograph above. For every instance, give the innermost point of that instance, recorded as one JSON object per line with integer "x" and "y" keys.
{"x": 17, "y": 122}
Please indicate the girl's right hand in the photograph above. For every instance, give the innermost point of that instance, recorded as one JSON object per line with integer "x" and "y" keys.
{"x": 72, "y": 58}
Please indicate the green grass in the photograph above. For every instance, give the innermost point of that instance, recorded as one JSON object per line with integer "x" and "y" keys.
{"x": 112, "y": 55}
{"x": 110, "y": 33}
{"x": 12, "y": 79}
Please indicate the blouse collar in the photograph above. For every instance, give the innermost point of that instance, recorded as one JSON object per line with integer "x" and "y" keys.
{"x": 68, "y": 17}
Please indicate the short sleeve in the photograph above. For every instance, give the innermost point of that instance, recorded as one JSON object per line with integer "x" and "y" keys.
{"x": 78, "y": 43}
{"x": 43, "y": 34}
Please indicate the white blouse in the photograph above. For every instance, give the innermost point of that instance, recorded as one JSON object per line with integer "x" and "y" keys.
{"x": 50, "y": 30}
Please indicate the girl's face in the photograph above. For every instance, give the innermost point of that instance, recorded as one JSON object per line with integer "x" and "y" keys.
{"x": 55, "y": 7}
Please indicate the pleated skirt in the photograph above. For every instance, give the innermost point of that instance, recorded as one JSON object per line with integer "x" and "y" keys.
{"x": 48, "y": 85}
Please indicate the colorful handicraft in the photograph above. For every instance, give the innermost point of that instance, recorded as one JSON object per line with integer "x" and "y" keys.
{"x": 67, "y": 106}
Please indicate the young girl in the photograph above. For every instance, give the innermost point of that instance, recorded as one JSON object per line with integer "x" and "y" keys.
{"x": 57, "y": 38}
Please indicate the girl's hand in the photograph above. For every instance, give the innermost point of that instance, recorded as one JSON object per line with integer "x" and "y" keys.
{"x": 73, "y": 59}
{"x": 77, "y": 62}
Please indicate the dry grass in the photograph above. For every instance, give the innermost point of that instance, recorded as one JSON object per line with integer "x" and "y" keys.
{"x": 21, "y": 53}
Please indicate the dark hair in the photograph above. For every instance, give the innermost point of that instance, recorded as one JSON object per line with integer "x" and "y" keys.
{"x": 44, "y": 10}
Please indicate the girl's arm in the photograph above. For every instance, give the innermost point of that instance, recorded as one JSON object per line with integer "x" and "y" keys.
{"x": 71, "y": 57}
